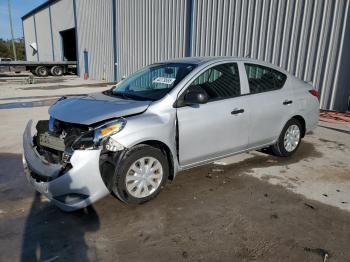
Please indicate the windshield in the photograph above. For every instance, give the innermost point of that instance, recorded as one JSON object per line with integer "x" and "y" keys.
{"x": 153, "y": 82}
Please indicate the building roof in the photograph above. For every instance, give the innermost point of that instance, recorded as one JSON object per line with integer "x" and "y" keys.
{"x": 39, "y": 8}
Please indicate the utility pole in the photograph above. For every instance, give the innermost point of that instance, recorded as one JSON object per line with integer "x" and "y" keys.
{"x": 13, "y": 40}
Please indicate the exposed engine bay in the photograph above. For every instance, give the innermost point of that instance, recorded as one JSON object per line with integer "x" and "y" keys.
{"x": 56, "y": 140}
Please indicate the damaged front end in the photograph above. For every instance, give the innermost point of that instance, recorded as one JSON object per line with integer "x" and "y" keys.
{"x": 62, "y": 160}
{"x": 55, "y": 141}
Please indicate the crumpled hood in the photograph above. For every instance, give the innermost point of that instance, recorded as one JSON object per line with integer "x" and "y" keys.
{"x": 95, "y": 107}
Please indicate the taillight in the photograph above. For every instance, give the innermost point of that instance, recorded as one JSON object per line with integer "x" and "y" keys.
{"x": 315, "y": 93}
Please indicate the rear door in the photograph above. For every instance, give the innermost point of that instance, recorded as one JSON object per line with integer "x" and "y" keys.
{"x": 270, "y": 102}
{"x": 219, "y": 127}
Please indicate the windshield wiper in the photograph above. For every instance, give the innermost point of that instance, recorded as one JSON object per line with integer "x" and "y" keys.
{"x": 120, "y": 94}
{"x": 117, "y": 94}
{"x": 130, "y": 96}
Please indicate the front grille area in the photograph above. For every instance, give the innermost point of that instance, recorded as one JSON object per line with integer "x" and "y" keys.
{"x": 54, "y": 139}
{"x": 39, "y": 178}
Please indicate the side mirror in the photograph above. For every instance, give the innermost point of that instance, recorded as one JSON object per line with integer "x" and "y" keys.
{"x": 196, "y": 97}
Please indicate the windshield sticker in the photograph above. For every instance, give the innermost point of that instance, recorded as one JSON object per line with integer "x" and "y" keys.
{"x": 164, "y": 80}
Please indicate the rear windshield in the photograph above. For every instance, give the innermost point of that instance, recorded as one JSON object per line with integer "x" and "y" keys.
{"x": 152, "y": 82}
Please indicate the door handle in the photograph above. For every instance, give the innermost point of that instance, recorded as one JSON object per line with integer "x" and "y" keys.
{"x": 237, "y": 111}
{"x": 287, "y": 102}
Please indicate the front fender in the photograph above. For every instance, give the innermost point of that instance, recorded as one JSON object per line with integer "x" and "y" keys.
{"x": 150, "y": 127}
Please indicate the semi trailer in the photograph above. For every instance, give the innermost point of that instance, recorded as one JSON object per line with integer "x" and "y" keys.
{"x": 55, "y": 68}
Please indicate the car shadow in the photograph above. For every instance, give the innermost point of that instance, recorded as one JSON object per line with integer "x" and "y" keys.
{"x": 50, "y": 234}
{"x": 264, "y": 159}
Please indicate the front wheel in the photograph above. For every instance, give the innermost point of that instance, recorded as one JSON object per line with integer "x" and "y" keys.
{"x": 289, "y": 139}
{"x": 140, "y": 175}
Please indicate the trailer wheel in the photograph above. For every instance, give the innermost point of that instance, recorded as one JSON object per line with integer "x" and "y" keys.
{"x": 41, "y": 71}
{"x": 56, "y": 70}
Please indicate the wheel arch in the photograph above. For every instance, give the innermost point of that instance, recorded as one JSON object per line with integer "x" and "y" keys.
{"x": 302, "y": 122}
{"x": 167, "y": 152}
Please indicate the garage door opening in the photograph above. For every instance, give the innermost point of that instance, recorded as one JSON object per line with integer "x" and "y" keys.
{"x": 69, "y": 46}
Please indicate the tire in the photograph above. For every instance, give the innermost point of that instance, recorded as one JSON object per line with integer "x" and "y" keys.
{"x": 56, "y": 71}
{"x": 41, "y": 71}
{"x": 294, "y": 128}
{"x": 133, "y": 160}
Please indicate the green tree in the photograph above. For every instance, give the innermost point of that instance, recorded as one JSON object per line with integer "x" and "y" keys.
{"x": 20, "y": 50}
{"x": 6, "y": 48}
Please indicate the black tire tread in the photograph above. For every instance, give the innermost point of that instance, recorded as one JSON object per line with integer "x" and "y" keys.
{"x": 53, "y": 68}
{"x": 37, "y": 70}
{"x": 278, "y": 148}
{"x": 118, "y": 182}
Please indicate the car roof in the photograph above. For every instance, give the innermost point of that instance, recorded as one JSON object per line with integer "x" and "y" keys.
{"x": 200, "y": 60}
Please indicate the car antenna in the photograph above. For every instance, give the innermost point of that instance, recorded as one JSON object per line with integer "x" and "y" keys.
{"x": 309, "y": 81}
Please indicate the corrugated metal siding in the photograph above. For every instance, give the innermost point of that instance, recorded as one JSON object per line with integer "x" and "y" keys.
{"x": 29, "y": 35}
{"x": 95, "y": 35}
{"x": 149, "y": 31}
{"x": 42, "y": 22}
{"x": 62, "y": 18}
{"x": 307, "y": 38}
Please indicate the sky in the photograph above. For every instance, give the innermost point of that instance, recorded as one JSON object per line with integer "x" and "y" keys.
{"x": 19, "y": 8}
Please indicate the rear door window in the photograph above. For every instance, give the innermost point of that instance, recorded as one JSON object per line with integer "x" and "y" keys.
{"x": 263, "y": 79}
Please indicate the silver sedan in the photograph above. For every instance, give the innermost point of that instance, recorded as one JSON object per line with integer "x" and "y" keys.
{"x": 167, "y": 117}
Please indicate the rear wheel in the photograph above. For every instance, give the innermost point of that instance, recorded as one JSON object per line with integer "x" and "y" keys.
{"x": 140, "y": 175}
{"x": 289, "y": 140}
{"x": 56, "y": 70}
{"x": 41, "y": 71}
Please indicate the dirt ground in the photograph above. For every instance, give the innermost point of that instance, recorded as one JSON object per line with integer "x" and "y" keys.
{"x": 207, "y": 214}
{"x": 253, "y": 207}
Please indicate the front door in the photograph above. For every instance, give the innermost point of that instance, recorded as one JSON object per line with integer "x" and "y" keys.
{"x": 219, "y": 127}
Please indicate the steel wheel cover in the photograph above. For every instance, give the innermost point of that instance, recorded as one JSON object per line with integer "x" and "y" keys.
{"x": 144, "y": 177}
{"x": 291, "y": 138}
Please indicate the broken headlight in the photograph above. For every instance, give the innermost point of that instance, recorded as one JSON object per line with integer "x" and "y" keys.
{"x": 85, "y": 141}
{"x": 108, "y": 129}
{"x": 95, "y": 137}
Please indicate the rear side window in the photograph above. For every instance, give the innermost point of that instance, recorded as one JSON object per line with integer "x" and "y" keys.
{"x": 263, "y": 79}
{"x": 219, "y": 82}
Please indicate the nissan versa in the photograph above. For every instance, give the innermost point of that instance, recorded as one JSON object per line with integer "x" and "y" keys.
{"x": 167, "y": 117}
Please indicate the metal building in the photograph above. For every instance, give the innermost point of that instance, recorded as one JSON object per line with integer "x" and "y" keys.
{"x": 112, "y": 38}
